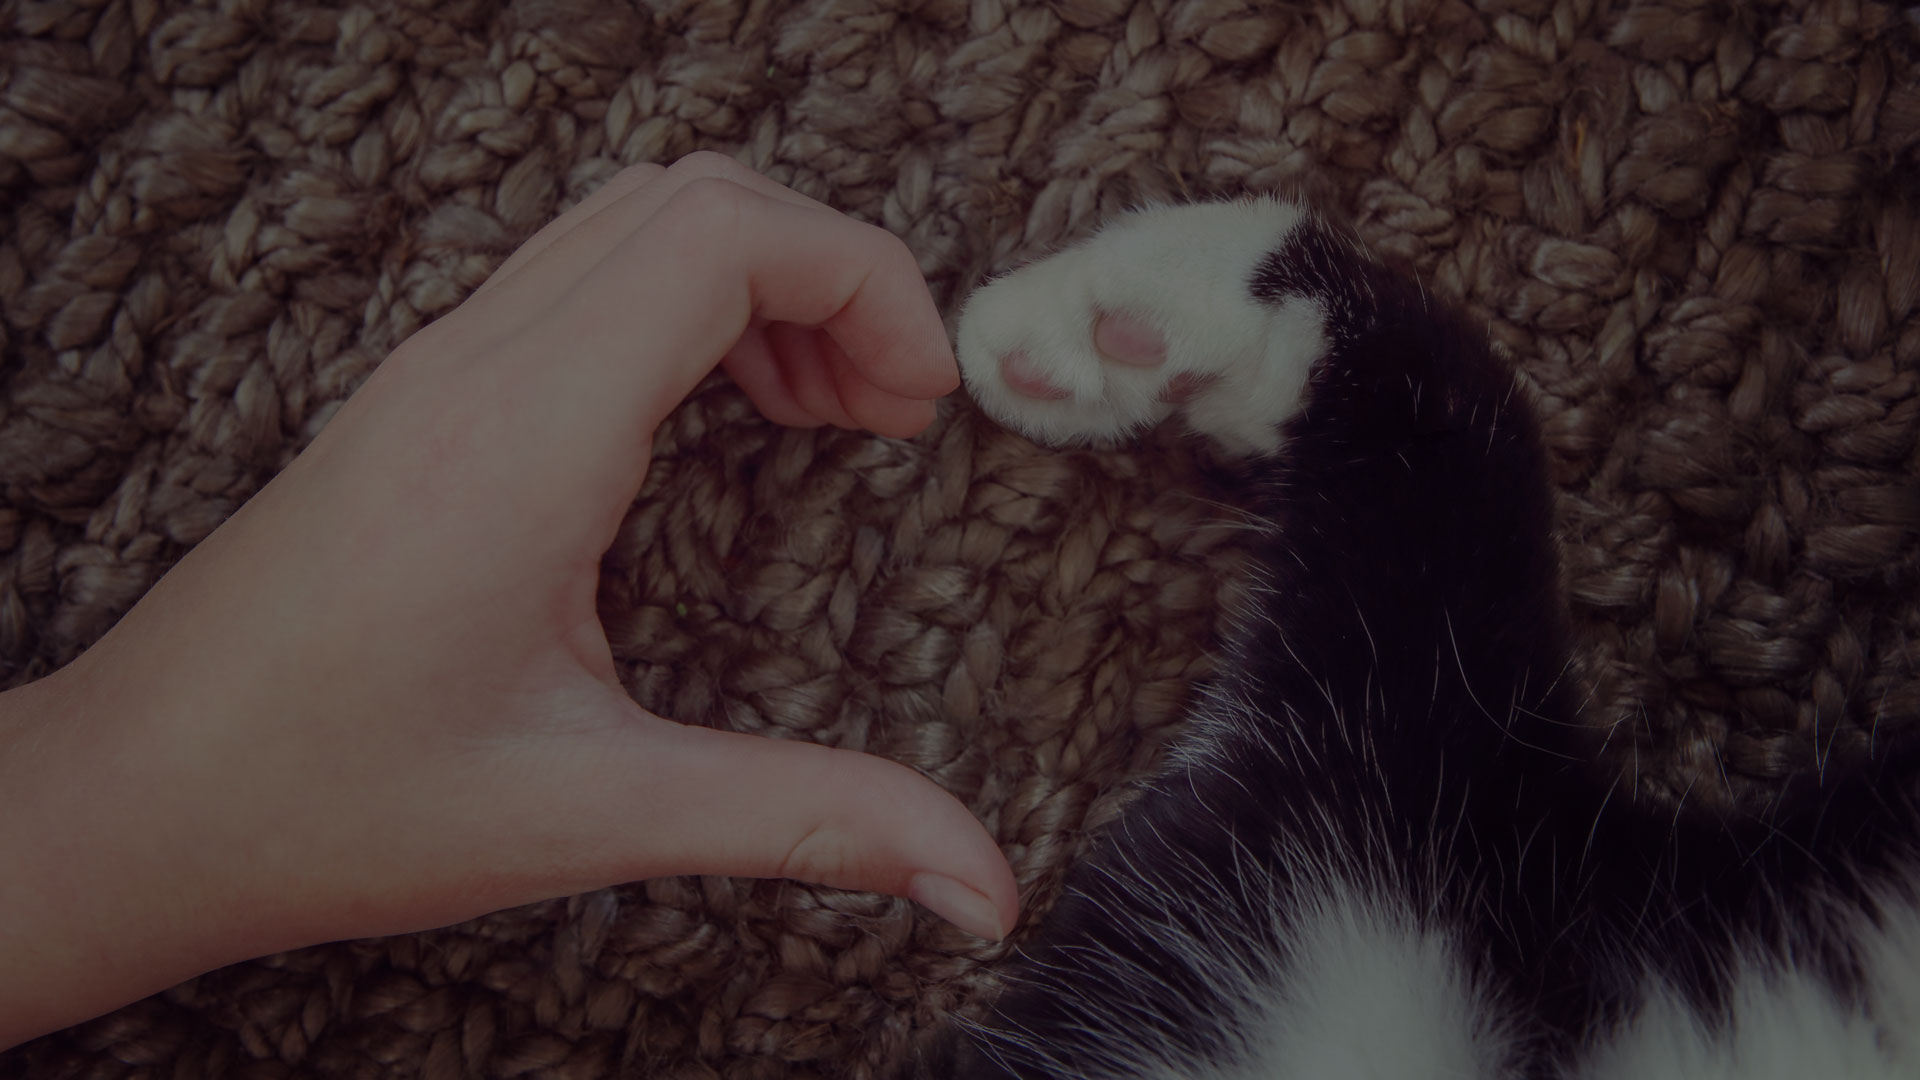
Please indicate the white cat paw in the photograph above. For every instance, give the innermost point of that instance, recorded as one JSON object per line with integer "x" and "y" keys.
{"x": 1151, "y": 316}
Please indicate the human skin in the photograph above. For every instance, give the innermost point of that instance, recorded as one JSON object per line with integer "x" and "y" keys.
{"x": 378, "y": 699}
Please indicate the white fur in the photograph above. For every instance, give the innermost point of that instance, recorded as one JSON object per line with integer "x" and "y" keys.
{"x": 1370, "y": 994}
{"x": 1185, "y": 271}
{"x": 1786, "y": 1025}
{"x": 1893, "y": 978}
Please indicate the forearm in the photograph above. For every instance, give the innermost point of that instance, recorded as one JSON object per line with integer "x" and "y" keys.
{"x": 98, "y": 902}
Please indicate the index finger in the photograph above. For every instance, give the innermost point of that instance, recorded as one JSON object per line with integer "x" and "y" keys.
{"x": 816, "y": 267}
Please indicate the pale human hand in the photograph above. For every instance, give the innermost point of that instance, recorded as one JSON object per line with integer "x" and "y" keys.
{"x": 379, "y": 699}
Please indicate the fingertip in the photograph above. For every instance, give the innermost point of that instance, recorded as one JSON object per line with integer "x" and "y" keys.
{"x": 876, "y": 408}
{"x": 903, "y": 419}
{"x": 726, "y": 803}
{"x": 923, "y": 367}
{"x": 942, "y": 366}
{"x": 893, "y": 417}
{"x": 958, "y": 871}
{"x": 949, "y": 381}
{"x": 899, "y": 832}
{"x": 990, "y": 877}
{"x": 916, "y": 370}
{"x": 892, "y": 332}
{"x": 960, "y": 904}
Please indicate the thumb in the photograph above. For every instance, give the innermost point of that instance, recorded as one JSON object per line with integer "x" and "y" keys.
{"x": 718, "y": 802}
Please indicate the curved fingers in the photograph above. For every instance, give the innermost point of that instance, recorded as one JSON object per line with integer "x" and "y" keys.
{"x": 717, "y": 258}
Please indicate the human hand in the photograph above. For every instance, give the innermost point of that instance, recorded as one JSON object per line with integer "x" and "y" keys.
{"x": 378, "y": 699}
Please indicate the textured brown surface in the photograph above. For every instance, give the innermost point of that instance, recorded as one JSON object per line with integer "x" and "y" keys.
{"x": 1693, "y": 223}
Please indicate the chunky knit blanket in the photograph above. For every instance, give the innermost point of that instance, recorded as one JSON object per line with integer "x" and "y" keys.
{"x": 1692, "y": 224}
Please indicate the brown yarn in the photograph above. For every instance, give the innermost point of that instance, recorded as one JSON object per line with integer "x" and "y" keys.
{"x": 1693, "y": 224}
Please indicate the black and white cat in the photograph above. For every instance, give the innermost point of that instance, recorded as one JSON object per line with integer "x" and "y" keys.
{"x": 1384, "y": 847}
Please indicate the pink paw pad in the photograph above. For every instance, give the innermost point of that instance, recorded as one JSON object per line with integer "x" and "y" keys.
{"x": 1124, "y": 339}
{"x": 1018, "y": 372}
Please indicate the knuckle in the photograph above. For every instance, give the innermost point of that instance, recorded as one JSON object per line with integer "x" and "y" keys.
{"x": 900, "y": 252}
{"x": 706, "y": 163}
{"x": 829, "y": 849}
{"x": 711, "y": 203}
{"x": 820, "y": 855}
{"x": 639, "y": 175}
{"x": 886, "y": 245}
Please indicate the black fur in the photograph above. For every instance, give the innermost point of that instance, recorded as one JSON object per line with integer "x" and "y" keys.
{"x": 1405, "y": 663}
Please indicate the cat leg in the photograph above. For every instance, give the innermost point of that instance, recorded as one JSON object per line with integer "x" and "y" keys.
{"x": 1155, "y": 314}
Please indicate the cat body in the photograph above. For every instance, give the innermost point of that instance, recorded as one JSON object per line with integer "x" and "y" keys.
{"x": 1384, "y": 846}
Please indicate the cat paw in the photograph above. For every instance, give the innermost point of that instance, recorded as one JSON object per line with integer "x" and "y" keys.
{"x": 1152, "y": 316}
